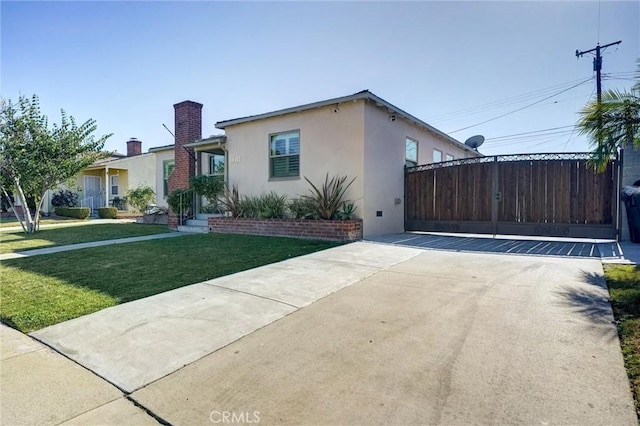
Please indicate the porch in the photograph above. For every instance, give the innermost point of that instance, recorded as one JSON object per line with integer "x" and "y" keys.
{"x": 104, "y": 186}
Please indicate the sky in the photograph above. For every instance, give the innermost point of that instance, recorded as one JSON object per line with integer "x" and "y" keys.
{"x": 452, "y": 64}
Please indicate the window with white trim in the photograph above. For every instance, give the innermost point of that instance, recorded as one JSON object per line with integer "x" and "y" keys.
{"x": 449, "y": 157}
{"x": 437, "y": 156}
{"x": 410, "y": 152}
{"x": 167, "y": 169}
{"x": 216, "y": 165}
{"x": 284, "y": 155}
{"x": 114, "y": 185}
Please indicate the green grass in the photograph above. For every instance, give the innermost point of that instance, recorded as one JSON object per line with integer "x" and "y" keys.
{"x": 624, "y": 287}
{"x": 14, "y": 241}
{"x": 43, "y": 290}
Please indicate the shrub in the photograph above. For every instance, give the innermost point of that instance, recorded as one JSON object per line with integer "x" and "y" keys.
{"x": 107, "y": 212}
{"x": 207, "y": 186}
{"x": 140, "y": 197}
{"x": 250, "y": 207}
{"x": 230, "y": 201}
{"x": 75, "y": 212}
{"x": 211, "y": 208}
{"x": 347, "y": 212}
{"x": 272, "y": 206}
{"x": 180, "y": 200}
{"x": 301, "y": 208}
{"x": 64, "y": 198}
{"x": 327, "y": 199}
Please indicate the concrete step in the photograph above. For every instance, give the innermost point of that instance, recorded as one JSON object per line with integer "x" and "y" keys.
{"x": 196, "y": 222}
{"x": 193, "y": 229}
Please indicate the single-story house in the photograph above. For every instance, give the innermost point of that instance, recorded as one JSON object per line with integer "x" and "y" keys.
{"x": 106, "y": 182}
{"x": 360, "y": 136}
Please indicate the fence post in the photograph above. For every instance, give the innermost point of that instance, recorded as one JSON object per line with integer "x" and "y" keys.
{"x": 494, "y": 195}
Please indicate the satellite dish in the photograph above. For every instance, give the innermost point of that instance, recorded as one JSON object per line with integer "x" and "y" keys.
{"x": 474, "y": 142}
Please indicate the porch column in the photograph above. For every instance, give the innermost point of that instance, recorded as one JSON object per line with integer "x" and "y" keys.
{"x": 106, "y": 187}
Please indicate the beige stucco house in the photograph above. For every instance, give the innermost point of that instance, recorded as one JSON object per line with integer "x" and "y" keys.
{"x": 361, "y": 136}
{"x": 110, "y": 179}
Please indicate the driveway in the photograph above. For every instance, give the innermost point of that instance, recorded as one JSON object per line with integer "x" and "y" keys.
{"x": 369, "y": 333}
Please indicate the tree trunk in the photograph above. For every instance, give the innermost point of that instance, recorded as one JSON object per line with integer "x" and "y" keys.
{"x": 15, "y": 212}
{"x": 25, "y": 208}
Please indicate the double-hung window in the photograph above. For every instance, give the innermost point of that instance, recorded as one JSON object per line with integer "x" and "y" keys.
{"x": 114, "y": 185}
{"x": 449, "y": 157}
{"x": 167, "y": 169}
{"x": 437, "y": 156}
{"x": 284, "y": 155}
{"x": 410, "y": 153}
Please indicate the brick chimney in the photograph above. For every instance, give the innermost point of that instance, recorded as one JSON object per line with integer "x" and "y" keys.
{"x": 134, "y": 147}
{"x": 188, "y": 128}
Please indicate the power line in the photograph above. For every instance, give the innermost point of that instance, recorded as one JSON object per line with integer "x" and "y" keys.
{"x": 520, "y": 109}
{"x": 532, "y": 132}
{"x": 503, "y": 102}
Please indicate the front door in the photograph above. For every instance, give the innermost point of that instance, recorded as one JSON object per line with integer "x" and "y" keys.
{"x": 92, "y": 192}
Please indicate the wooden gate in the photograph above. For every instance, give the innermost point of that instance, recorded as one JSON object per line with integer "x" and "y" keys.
{"x": 529, "y": 194}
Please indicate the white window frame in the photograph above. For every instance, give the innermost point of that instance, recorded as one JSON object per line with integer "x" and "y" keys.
{"x": 449, "y": 157}
{"x": 439, "y": 153}
{"x": 409, "y": 162}
{"x": 166, "y": 164}
{"x": 288, "y": 137}
{"x": 114, "y": 184}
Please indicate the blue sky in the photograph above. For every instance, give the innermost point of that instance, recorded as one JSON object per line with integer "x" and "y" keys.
{"x": 452, "y": 64}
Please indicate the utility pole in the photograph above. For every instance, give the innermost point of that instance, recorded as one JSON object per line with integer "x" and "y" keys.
{"x": 597, "y": 64}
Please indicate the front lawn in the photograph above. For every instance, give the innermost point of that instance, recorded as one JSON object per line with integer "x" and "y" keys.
{"x": 14, "y": 241}
{"x": 43, "y": 290}
{"x": 11, "y": 221}
{"x": 624, "y": 287}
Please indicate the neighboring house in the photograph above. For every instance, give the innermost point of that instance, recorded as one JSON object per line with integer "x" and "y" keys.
{"x": 359, "y": 136}
{"x": 107, "y": 181}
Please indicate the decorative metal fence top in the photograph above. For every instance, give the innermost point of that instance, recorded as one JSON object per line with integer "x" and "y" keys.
{"x": 503, "y": 158}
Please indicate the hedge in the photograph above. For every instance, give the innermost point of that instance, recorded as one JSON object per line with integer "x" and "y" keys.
{"x": 107, "y": 212}
{"x": 75, "y": 212}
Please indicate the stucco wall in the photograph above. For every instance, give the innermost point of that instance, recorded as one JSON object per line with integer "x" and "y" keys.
{"x": 330, "y": 142}
{"x": 160, "y": 157}
{"x": 384, "y": 154}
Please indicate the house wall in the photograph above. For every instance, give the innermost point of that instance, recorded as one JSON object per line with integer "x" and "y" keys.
{"x": 384, "y": 160}
{"x": 138, "y": 171}
{"x": 330, "y": 142}
{"x": 160, "y": 157}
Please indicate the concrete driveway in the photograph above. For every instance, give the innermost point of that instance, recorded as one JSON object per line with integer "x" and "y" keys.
{"x": 395, "y": 335}
{"x": 441, "y": 338}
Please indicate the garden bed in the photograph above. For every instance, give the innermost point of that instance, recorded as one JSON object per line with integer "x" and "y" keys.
{"x": 327, "y": 230}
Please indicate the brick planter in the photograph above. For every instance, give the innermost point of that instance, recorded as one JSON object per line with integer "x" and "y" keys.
{"x": 173, "y": 220}
{"x": 330, "y": 230}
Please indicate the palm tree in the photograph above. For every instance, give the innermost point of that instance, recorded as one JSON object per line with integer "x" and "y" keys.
{"x": 612, "y": 123}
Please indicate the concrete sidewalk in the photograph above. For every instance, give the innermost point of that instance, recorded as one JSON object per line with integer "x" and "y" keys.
{"x": 69, "y": 247}
{"x": 396, "y": 335}
{"x": 41, "y": 387}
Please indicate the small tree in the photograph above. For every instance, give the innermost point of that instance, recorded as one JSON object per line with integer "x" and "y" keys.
{"x": 35, "y": 158}
{"x": 141, "y": 197}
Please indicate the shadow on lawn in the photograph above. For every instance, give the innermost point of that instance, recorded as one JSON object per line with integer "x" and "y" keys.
{"x": 591, "y": 302}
